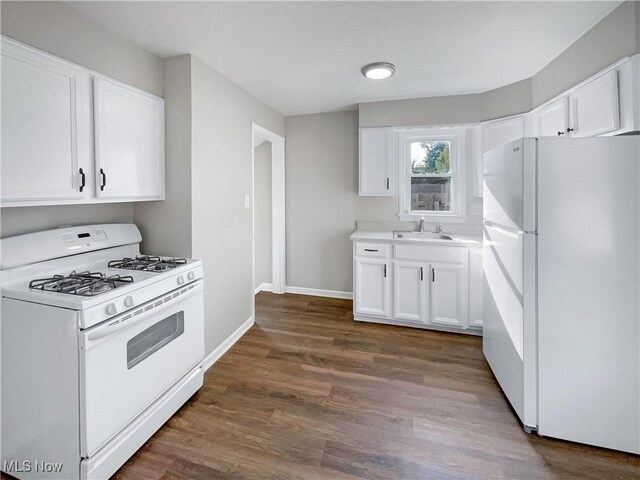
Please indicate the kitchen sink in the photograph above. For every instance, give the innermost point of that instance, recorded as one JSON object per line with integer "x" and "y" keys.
{"x": 422, "y": 236}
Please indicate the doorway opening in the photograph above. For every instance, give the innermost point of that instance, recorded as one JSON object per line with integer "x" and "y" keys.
{"x": 268, "y": 211}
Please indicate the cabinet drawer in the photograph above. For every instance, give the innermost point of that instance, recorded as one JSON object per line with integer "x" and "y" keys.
{"x": 372, "y": 250}
{"x": 429, "y": 254}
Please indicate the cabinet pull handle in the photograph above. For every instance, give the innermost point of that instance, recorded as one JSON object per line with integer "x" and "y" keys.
{"x": 82, "y": 175}
{"x": 421, "y": 274}
{"x": 370, "y": 250}
{"x": 104, "y": 179}
{"x": 569, "y": 130}
{"x": 560, "y": 133}
{"x": 387, "y": 183}
{"x": 433, "y": 274}
{"x": 385, "y": 270}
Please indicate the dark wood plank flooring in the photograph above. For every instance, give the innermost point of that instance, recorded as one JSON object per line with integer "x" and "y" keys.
{"x": 308, "y": 393}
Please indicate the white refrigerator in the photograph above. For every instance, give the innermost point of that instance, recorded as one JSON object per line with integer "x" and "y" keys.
{"x": 561, "y": 227}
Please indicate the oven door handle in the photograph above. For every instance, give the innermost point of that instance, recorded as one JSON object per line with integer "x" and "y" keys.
{"x": 117, "y": 324}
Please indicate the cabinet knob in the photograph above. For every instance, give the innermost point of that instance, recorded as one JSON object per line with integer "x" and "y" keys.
{"x": 569, "y": 130}
{"x": 560, "y": 133}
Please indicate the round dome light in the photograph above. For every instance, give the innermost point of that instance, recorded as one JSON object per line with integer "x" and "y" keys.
{"x": 378, "y": 70}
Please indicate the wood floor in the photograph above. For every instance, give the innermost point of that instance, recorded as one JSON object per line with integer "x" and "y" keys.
{"x": 308, "y": 393}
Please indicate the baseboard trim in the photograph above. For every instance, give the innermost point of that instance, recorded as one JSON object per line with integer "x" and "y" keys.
{"x": 319, "y": 293}
{"x": 214, "y": 356}
{"x": 263, "y": 287}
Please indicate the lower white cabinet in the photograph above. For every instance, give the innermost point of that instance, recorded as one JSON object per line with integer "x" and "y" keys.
{"x": 476, "y": 281}
{"x": 372, "y": 287}
{"x": 410, "y": 291}
{"x": 447, "y": 299}
{"x": 418, "y": 286}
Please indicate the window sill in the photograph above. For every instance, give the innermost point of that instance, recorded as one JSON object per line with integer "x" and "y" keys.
{"x": 433, "y": 217}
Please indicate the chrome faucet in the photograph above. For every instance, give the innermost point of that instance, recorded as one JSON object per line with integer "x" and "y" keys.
{"x": 439, "y": 229}
{"x": 422, "y": 224}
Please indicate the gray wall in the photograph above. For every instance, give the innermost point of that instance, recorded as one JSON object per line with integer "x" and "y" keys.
{"x": 222, "y": 145}
{"x": 153, "y": 218}
{"x": 322, "y": 201}
{"x": 262, "y": 214}
{"x": 614, "y": 37}
{"x": 58, "y": 29}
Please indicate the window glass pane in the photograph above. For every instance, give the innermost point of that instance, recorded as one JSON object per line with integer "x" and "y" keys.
{"x": 430, "y": 157}
{"x": 431, "y": 193}
{"x": 149, "y": 341}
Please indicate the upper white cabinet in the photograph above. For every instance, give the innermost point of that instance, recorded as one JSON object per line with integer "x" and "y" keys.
{"x": 594, "y": 107}
{"x": 129, "y": 142}
{"x": 70, "y": 135}
{"x": 376, "y": 162}
{"x": 46, "y": 127}
{"x": 602, "y": 105}
{"x": 552, "y": 119}
{"x": 499, "y": 132}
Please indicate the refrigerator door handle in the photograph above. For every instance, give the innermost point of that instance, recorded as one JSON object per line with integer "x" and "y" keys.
{"x": 512, "y": 232}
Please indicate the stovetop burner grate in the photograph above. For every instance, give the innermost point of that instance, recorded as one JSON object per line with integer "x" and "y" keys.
{"x": 147, "y": 263}
{"x": 86, "y": 284}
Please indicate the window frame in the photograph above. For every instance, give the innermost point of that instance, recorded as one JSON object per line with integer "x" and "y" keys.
{"x": 457, "y": 139}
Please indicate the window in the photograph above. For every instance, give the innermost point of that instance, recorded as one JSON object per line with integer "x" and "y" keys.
{"x": 431, "y": 183}
{"x": 430, "y": 175}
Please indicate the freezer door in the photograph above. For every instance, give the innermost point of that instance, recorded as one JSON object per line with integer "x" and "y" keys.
{"x": 509, "y": 176}
{"x": 588, "y": 284}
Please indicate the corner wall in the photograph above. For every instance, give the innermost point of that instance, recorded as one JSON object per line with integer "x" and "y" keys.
{"x": 222, "y": 150}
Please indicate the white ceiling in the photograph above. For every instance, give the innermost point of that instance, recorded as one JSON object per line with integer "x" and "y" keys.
{"x": 305, "y": 57}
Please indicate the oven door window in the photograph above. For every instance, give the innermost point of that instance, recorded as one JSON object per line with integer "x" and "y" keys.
{"x": 149, "y": 341}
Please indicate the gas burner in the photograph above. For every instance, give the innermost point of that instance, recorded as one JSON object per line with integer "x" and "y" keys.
{"x": 86, "y": 284}
{"x": 147, "y": 263}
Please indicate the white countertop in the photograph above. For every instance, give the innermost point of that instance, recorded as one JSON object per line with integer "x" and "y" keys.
{"x": 460, "y": 240}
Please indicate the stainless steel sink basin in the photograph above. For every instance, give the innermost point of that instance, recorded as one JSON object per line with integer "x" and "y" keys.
{"x": 422, "y": 236}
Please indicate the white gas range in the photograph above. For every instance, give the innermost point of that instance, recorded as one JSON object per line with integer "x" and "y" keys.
{"x": 100, "y": 346}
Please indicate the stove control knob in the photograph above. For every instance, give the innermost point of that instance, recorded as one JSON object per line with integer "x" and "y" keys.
{"x": 128, "y": 302}
{"x": 191, "y": 275}
{"x": 111, "y": 309}
{"x": 180, "y": 280}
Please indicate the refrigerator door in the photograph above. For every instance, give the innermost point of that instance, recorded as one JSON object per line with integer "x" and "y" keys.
{"x": 509, "y": 316}
{"x": 509, "y": 336}
{"x": 588, "y": 285}
{"x": 509, "y": 186}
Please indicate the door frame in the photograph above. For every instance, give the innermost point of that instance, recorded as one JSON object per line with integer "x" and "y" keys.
{"x": 278, "y": 253}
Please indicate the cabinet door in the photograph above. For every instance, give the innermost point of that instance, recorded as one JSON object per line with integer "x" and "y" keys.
{"x": 372, "y": 287}
{"x": 447, "y": 295}
{"x": 552, "y": 120}
{"x": 376, "y": 162}
{"x": 46, "y": 126}
{"x": 475, "y": 287}
{"x": 499, "y": 132}
{"x": 409, "y": 292}
{"x": 129, "y": 136}
{"x": 594, "y": 106}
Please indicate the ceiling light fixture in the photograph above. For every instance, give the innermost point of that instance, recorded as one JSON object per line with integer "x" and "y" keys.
{"x": 378, "y": 70}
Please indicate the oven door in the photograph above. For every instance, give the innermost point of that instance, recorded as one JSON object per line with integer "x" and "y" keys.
{"x": 129, "y": 361}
